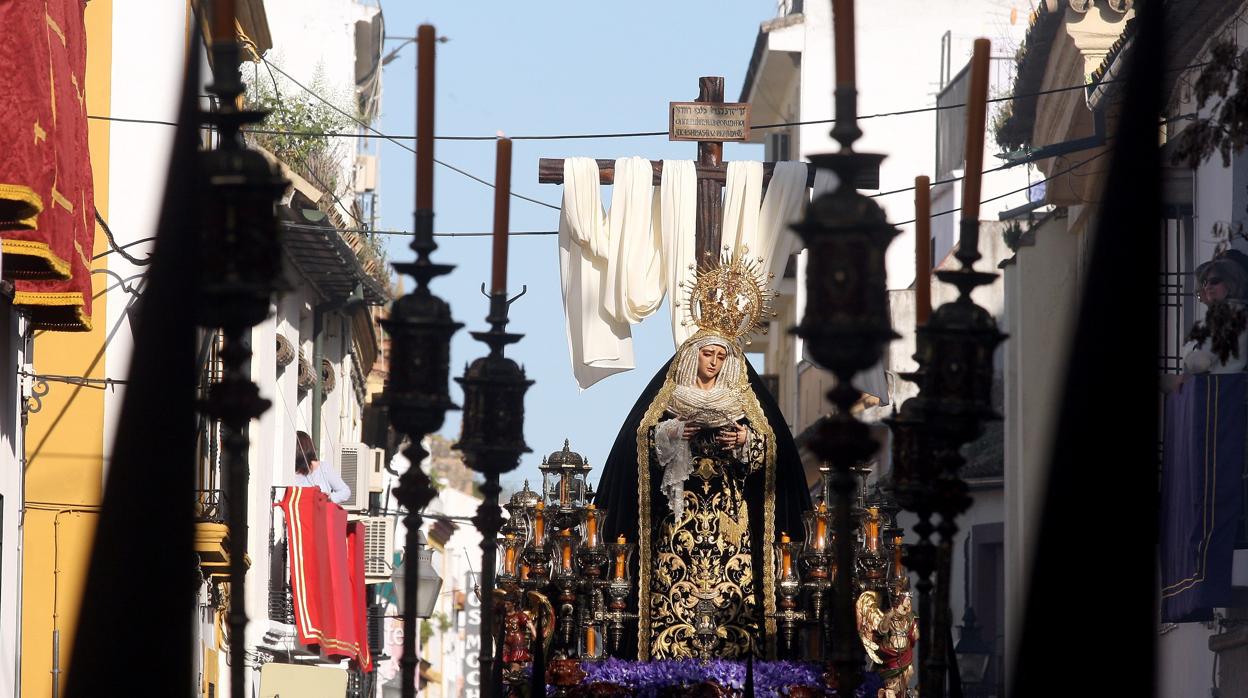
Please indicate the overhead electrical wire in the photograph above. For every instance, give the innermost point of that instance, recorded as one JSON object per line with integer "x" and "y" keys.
{"x": 1020, "y": 190}
{"x": 405, "y": 146}
{"x": 396, "y": 140}
{"x": 526, "y": 233}
{"x": 625, "y": 134}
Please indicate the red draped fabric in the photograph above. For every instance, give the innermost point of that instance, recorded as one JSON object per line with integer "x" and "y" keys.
{"x": 356, "y": 536}
{"x": 47, "y": 210}
{"x": 326, "y": 575}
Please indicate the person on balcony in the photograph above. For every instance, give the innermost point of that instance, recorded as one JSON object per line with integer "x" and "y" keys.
{"x": 311, "y": 472}
{"x": 1219, "y": 343}
{"x": 1203, "y": 452}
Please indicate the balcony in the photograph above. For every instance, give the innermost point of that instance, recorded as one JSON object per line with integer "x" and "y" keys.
{"x": 1203, "y": 495}
{"x": 212, "y": 535}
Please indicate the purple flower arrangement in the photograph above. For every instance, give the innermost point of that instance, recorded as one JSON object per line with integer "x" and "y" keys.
{"x": 657, "y": 679}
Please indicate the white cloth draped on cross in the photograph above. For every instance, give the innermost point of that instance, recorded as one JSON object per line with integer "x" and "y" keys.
{"x": 617, "y": 266}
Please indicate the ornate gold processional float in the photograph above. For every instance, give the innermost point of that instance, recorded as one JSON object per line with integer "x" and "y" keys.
{"x": 771, "y": 595}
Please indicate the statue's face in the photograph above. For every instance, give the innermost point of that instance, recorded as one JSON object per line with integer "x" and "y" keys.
{"x": 710, "y": 362}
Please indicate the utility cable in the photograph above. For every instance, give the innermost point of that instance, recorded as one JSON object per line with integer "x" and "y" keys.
{"x": 305, "y": 226}
{"x": 405, "y": 146}
{"x": 107, "y": 252}
{"x": 1019, "y": 190}
{"x": 525, "y": 233}
{"x": 624, "y": 134}
{"x": 112, "y": 243}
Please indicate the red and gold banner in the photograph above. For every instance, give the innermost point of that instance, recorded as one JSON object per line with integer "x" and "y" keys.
{"x": 47, "y": 211}
{"x": 326, "y": 558}
{"x": 356, "y": 536}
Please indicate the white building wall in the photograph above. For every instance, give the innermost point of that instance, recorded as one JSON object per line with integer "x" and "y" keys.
{"x": 138, "y": 167}
{"x": 889, "y": 80}
{"x": 1042, "y": 292}
{"x": 12, "y": 449}
{"x": 264, "y": 433}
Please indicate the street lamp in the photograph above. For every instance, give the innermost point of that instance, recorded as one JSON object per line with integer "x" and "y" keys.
{"x": 394, "y": 53}
{"x": 973, "y": 652}
{"x": 428, "y": 583}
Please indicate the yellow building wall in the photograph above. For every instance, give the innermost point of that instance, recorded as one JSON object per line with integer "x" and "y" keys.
{"x": 65, "y": 439}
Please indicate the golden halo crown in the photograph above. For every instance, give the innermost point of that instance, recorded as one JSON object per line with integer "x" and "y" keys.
{"x": 731, "y": 298}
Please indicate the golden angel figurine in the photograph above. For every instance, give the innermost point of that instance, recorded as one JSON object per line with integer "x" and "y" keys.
{"x": 889, "y": 637}
{"x": 705, "y": 474}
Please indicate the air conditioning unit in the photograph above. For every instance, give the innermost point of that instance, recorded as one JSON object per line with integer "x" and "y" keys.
{"x": 377, "y": 474}
{"x": 378, "y": 548}
{"x": 354, "y": 465}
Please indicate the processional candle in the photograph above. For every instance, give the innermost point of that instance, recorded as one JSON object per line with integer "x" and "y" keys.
{"x": 620, "y": 571}
{"x": 565, "y": 549}
{"x": 509, "y": 559}
{"x": 591, "y": 526}
{"x": 786, "y": 556}
{"x": 873, "y": 529}
{"x": 843, "y": 14}
{"x": 821, "y": 527}
{"x": 502, "y": 190}
{"x": 539, "y": 523}
{"x": 899, "y": 569}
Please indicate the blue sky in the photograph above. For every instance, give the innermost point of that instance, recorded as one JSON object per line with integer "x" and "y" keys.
{"x": 547, "y": 68}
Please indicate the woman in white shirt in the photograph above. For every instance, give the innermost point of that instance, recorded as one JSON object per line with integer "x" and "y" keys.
{"x": 310, "y": 472}
{"x": 1219, "y": 343}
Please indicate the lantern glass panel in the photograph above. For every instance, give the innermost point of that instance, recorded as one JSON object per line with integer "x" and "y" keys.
{"x": 578, "y": 490}
{"x": 591, "y": 645}
{"x": 621, "y": 560}
{"x": 591, "y": 530}
{"x": 567, "y": 489}
{"x": 817, "y": 529}
{"x": 565, "y": 545}
{"x": 508, "y": 562}
{"x": 787, "y": 555}
{"x": 550, "y": 486}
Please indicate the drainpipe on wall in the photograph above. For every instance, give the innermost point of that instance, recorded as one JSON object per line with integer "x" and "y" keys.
{"x": 318, "y": 357}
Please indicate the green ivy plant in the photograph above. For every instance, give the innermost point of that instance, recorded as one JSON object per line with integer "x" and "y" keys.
{"x": 299, "y": 116}
{"x": 1224, "y": 82}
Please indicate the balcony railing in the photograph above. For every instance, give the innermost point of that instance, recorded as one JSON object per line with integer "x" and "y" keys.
{"x": 210, "y": 506}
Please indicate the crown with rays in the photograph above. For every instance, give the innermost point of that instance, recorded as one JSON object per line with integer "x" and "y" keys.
{"x": 731, "y": 298}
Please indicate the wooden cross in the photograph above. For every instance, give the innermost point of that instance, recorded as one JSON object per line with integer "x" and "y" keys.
{"x": 712, "y": 172}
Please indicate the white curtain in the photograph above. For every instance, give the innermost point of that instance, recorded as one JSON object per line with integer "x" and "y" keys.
{"x": 784, "y": 204}
{"x": 635, "y": 278}
{"x": 677, "y": 219}
{"x": 599, "y": 344}
{"x": 743, "y": 192}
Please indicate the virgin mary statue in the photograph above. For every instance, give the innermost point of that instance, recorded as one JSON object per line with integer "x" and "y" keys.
{"x": 704, "y": 476}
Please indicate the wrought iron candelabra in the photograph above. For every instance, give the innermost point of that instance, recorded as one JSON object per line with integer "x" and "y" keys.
{"x": 954, "y": 351}
{"x": 492, "y": 441}
{"x": 554, "y": 552}
{"x": 240, "y": 267}
{"x": 846, "y": 328}
{"x": 417, "y": 393}
{"x": 808, "y": 570}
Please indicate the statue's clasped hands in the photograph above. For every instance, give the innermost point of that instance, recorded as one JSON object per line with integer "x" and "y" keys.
{"x": 732, "y": 436}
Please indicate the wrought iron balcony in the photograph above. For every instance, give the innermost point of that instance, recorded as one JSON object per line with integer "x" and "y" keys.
{"x": 210, "y": 506}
